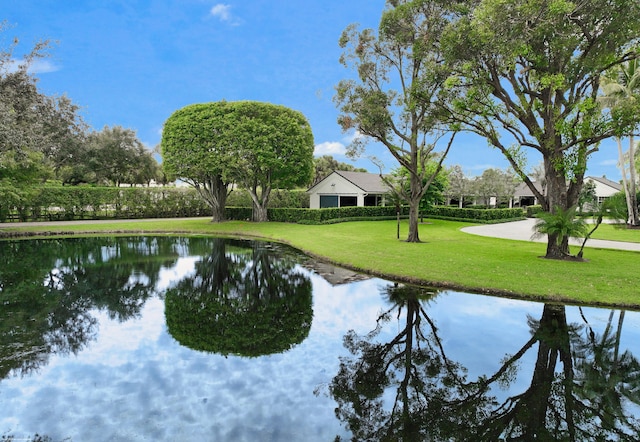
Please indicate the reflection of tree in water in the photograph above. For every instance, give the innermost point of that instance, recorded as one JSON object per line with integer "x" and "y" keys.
{"x": 250, "y": 302}
{"x": 48, "y": 289}
{"x": 408, "y": 389}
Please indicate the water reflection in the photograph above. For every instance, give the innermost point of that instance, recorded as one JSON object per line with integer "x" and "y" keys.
{"x": 147, "y": 338}
{"x": 49, "y": 288}
{"x": 408, "y": 388}
{"x": 251, "y": 303}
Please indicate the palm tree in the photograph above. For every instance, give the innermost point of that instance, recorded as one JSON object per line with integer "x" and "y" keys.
{"x": 561, "y": 225}
{"x": 621, "y": 87}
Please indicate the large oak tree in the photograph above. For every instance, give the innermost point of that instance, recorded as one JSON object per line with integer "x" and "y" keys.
{"x": 527, "y": 75}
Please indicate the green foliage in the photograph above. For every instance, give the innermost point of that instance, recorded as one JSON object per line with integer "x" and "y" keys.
{"x": 533, "y": 211}
{"x": 561, "y": 224}
{"x": 527, "y": 73}
{"x": 320, "y": 216}
{"x": 477, "y": 215}
{"x": 324, "y": 165}
{"x": 45, "y": 203}
{"x": 259, "y": 146}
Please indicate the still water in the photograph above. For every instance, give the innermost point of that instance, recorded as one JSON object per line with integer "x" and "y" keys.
{"x": 180, "y": 339}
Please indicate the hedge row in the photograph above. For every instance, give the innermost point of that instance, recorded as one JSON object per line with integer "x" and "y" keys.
{"x": 47, "y": 203}
{"x": 66, "y": 203}
{"x": 320, "y": 216}
{"x": 480, "y": 215}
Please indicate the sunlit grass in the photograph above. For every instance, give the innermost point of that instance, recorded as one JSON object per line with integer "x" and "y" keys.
{"x": 616, "y": 233}
{"x": 447, "y": 256}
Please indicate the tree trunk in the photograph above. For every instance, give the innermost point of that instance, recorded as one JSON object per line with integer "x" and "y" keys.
{"x": 633, "y": 198}
{"x": 260, "y": 213}
{"x": 413, "y": 222}
{"x": 559, "y": 195}
{"x": 214, "y": 191}
{"x": 260, "y": 203}
{"x": 414, "y": 207}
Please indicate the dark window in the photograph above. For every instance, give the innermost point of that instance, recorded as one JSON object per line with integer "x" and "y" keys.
{"x": 348, "y": 201}
{"x": 372, "y": 200}
{"x": 328, "y": 201}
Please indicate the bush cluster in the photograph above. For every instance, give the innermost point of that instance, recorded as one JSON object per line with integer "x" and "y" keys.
{"x": 277, "y": 199}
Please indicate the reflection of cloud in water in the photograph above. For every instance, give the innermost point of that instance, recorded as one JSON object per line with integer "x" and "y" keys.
{"x": 169, "y": 277}
{"x": 334, "y": 306}
{"x": 137, "y": 383}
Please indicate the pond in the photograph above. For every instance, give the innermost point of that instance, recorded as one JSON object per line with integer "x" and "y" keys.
{"x": 209, "y": 339}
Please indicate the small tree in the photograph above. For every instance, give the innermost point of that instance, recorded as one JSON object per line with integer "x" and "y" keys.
{"x": 561, "y": 224}
{"x": 117, "y": 156}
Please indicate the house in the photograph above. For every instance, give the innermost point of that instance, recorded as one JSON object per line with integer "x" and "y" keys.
{"x": 348, "y": 189}
{"x": 604, "y": 188}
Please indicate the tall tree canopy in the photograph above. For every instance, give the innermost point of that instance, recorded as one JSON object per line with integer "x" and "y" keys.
{"x": 195, "y": 149}
{"x": 116, "y": 156}
{"x": 527, "y": 74}
{"x": 273, "y": 148}
{"x": 621, "y": 95}
{"x": 35, "y": 128}
{"x": 256, "y": 145}
{"x": 392, "y": 101}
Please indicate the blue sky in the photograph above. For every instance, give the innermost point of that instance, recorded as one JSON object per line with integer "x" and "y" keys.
{"x": 133, "y": 63}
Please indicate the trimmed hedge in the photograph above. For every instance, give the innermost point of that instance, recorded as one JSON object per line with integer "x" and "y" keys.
{"x": 319, "y": 216}
{"x": 476, "y": 215}
{"x": 533, "y": 211}
{"x": 48, "y": 203}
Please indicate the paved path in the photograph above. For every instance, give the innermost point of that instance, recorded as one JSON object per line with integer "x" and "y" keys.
{"x": 522, "y": 230}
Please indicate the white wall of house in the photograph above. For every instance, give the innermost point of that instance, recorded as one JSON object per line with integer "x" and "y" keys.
{"x": 603, "y": 191}
{"x": 335, "y": 185}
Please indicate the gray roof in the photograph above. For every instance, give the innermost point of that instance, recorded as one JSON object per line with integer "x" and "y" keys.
{"x": 606, "y": 181}
{"x": 523, "y": 189}
{"x": 368, "y": 182}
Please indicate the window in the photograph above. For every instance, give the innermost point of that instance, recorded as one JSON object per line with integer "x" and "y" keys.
{"x": 328, "y": 201}
{"x": 348, "y": 201}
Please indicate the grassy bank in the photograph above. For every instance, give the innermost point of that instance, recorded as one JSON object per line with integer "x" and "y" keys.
{"x": 447, "y": 257}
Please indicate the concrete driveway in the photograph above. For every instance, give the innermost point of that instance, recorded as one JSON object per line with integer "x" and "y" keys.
{"x": 522, "y": 230}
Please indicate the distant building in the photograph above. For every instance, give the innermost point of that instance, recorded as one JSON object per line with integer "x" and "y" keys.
{"x": 604, "y": 188}
{"x": 348, "y": 189}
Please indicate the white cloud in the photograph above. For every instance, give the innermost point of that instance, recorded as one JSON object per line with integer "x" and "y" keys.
{"x": 356, "y": 134}
{"x": 330, "y": 148}
{"x": 222, "y": 12}
{"x": 36, "y": 67}
{"x": 610, "y": 162}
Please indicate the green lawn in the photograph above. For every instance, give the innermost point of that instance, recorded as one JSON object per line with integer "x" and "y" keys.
{"x": 447, "y": 257}
{"x": 617, "y": 233}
